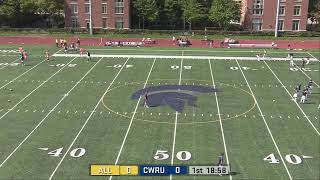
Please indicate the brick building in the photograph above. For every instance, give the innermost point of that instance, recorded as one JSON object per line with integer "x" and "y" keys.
{"x": 260, "y": 15}
{"x": 106, "y": 14}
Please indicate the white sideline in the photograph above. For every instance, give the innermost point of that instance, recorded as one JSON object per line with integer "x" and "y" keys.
{"x": 34, "y": 129}
{"x": 195, "y": 50}
{"x": 178, "y": 57}
{"x": 89, "y": 117}
{"x": 219, "y": 114}
{"x": 132, "y": 117}
{"x": 293, "y": 101}
{"x": 313, "y": 56}
{"x": 176, "y": 121}
{"x": 265, "y": 122}
{"x": 9, "y": 110}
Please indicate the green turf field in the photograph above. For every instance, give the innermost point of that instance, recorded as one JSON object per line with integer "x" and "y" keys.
{"x": 58, "y": 117}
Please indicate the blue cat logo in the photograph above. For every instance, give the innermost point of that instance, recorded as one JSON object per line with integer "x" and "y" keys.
{"x": 174, "y": 96}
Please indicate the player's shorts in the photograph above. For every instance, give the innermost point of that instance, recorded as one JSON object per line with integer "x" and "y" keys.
{"x": 295, "y": 95}
{"x": 303, "y": 98}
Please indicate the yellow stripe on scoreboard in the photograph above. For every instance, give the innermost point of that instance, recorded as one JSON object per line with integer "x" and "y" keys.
{"x": 113, "y": 170}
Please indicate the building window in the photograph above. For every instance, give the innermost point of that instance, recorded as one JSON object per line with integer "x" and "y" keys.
{"x": 281, "y": 10}
{"x": 87, "y": 8}
{"x": 295, "y": 25}
{"x": 74, "y": 8}
{"x": 257, "y": 24}
{"x": 74, "y": 21}
{"x": 119, "y": 22}
{"x": 280, "y": 25}
{"x": 119, "y": 5}
{"x": 104, "y": 8}
{"x": 296, "y": 10}
{"x": 258, "y": 7}
{"x": 104, "y": 22}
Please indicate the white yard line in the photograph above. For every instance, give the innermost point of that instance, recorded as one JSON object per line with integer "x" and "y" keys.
{"x": 132, "y": 117}
{"x": 25, "y": 72}
{"x": 292, "y": 98}
{"x": 219, "y": 114}
{"x": 36, "y": 89}
{"x": 35, "y": 128}
{"x": 313, "y": 56}
{"x": 265, "y": 122}
{"x": 176, "y": 119}
{"x": 9, "y": 64}
{"x": 58, "y": 51}
{"x": 89, "y": 117}
{"x": 307, "y": 75}
{"x": 21, "y": 74}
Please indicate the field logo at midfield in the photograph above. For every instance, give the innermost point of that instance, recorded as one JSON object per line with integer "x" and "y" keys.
{"x": 175, "y": 96}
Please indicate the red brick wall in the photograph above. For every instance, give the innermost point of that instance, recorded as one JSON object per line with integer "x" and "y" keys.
{"x": 97, "y": 13}
{"x": 269, "y": 14}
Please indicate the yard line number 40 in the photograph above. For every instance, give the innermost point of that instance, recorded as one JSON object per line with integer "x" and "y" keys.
{"x": 290, "y": 158}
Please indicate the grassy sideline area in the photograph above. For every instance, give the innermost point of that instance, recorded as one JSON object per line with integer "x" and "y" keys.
{"x": 155, "y": 35}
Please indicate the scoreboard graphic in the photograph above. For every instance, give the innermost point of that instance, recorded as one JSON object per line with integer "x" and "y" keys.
{"x": 156, "y": 170}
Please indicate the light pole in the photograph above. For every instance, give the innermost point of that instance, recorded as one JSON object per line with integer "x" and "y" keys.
{"x": 90, "y": 14}
{"x": 277, "y": 20}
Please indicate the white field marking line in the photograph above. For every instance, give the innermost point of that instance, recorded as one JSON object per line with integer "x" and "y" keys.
{"x": 22, "y": 74}
{"x": 172, "y": 50}
{"x": 132, "y": 117}
{"x": 265, "y": 122}
{"x": 9, "y": 64}
{"x": 292, "y": 98}
{"x": 25, "y": 72}
{"x": 313, "y": 56}
{"x": 219, "y": 114}
{"x": 36, "y": 89}
{"x": 89, "y": 117}
{"x": 176, "y": 120}
{"x": 150, "y": 56}
{"x": 307, "y": 75}
{"x": 58, "y": 51}
{"x": 53, "y": 109}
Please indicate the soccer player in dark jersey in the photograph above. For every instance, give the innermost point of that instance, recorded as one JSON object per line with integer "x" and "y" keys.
{"x": 21, "y": 58}
{"x": 88, "y": 56}
{"x": 146, "y": 100}
{"x": 304, "y": 96}
{"x": 24, "y": 53}
{"x": 303, "y": 62}
{"x": 220, "y": 159}
{"x": 310, "y": 83}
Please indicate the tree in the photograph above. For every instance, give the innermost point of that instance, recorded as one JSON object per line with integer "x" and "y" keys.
{"x": 147, "y": 10}
{"x": 314, "y": 11}
{"x": 224, "y": 11}
{"x": 172, "y": 11}
{"x": 20, "y": 12}
{"x": 49, "y": 6}
{"x": 192, "y": 11}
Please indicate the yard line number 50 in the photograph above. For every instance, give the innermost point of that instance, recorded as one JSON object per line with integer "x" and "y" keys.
{"x": 181, "y": 155}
